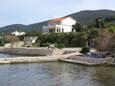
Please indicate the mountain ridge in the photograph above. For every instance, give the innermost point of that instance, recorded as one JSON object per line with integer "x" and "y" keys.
{"x": 84, "y": 17}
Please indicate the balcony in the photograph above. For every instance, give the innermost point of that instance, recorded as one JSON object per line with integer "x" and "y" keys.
{"x": 51, "y": 27}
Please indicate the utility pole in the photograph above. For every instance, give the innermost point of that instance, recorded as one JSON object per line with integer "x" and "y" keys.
{"x": 99, "y": 24}
{"x": 2, "y": 38}
{"x": 11, "y": 41}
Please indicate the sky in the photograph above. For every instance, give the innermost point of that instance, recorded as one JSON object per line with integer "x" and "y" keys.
{"x": 34, "y": 11}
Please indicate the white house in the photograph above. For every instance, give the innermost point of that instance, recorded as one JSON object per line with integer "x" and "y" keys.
{"x": 59, "y": 25}
{"x": 30, "y": 40}
{"x": 17, "y": 33}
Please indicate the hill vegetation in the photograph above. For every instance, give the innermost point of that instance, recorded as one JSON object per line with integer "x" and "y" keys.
{"x": 84, "y": 17}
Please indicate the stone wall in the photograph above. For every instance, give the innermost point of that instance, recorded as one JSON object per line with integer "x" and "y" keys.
{"x": 27, "y": 51}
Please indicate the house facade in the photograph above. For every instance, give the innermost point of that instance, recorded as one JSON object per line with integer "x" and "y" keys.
{"x": 17, "y": 33}
{"x": 30, "y": 40}
{"x": 59, "y": 25}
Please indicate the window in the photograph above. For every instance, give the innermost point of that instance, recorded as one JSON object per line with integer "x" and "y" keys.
{"x": 52, "y": 30}
{"x": 59, "y": 30}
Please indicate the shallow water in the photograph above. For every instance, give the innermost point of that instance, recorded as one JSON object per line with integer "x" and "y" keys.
{"x": 55, "y": 74}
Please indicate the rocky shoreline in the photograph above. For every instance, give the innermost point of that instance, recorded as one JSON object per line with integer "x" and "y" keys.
{"x": 73, "y": 57}
{"x": 27, "y": 51}
{"x": 85, "y": 60}
{"x": 19, "y": 60}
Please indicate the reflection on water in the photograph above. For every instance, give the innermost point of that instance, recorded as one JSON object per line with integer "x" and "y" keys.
{"x": 56, "y": 74}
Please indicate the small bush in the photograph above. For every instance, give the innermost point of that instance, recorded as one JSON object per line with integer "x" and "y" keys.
{"x": 45, "y": 44}
{"x": 60, "y": 46}
{"x": 1, "y": 42}
{"x": 34, "y": 45}
{"x": 104, "y": 41}
{"x": 85, "y": 50}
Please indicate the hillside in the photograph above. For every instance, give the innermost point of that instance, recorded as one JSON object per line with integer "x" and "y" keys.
{"x": 11, "y": 28}
{"x": 88, "y": 16}
{"x": 85, "y": 17}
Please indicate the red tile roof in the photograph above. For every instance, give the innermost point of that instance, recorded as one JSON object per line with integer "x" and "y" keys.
{"x": 56, "y": 20}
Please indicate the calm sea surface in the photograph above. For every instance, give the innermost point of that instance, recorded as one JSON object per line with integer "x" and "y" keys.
{"x": 55, "y": 74}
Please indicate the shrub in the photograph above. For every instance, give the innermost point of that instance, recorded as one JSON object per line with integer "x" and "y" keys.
{"x": 103, "y": 43}
{"x": 34, "y": 45}
{"x": 60, "y": 46}
{"x": 45, "y": 44}
{"x": 85, "y": 50}
{"x": 11, "y": 38}
{"x": 63, "y": 39}
{"x": 1, "y": 42}
{"x": 73, "y": 39}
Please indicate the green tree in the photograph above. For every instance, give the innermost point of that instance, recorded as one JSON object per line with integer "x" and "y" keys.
{"x": 99, "y": 23}
{"x": 77, "y": 27}
{"x": 110, "y": 19}
{"x": 33, "y": 33}
{"x": 85, "y": 50}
